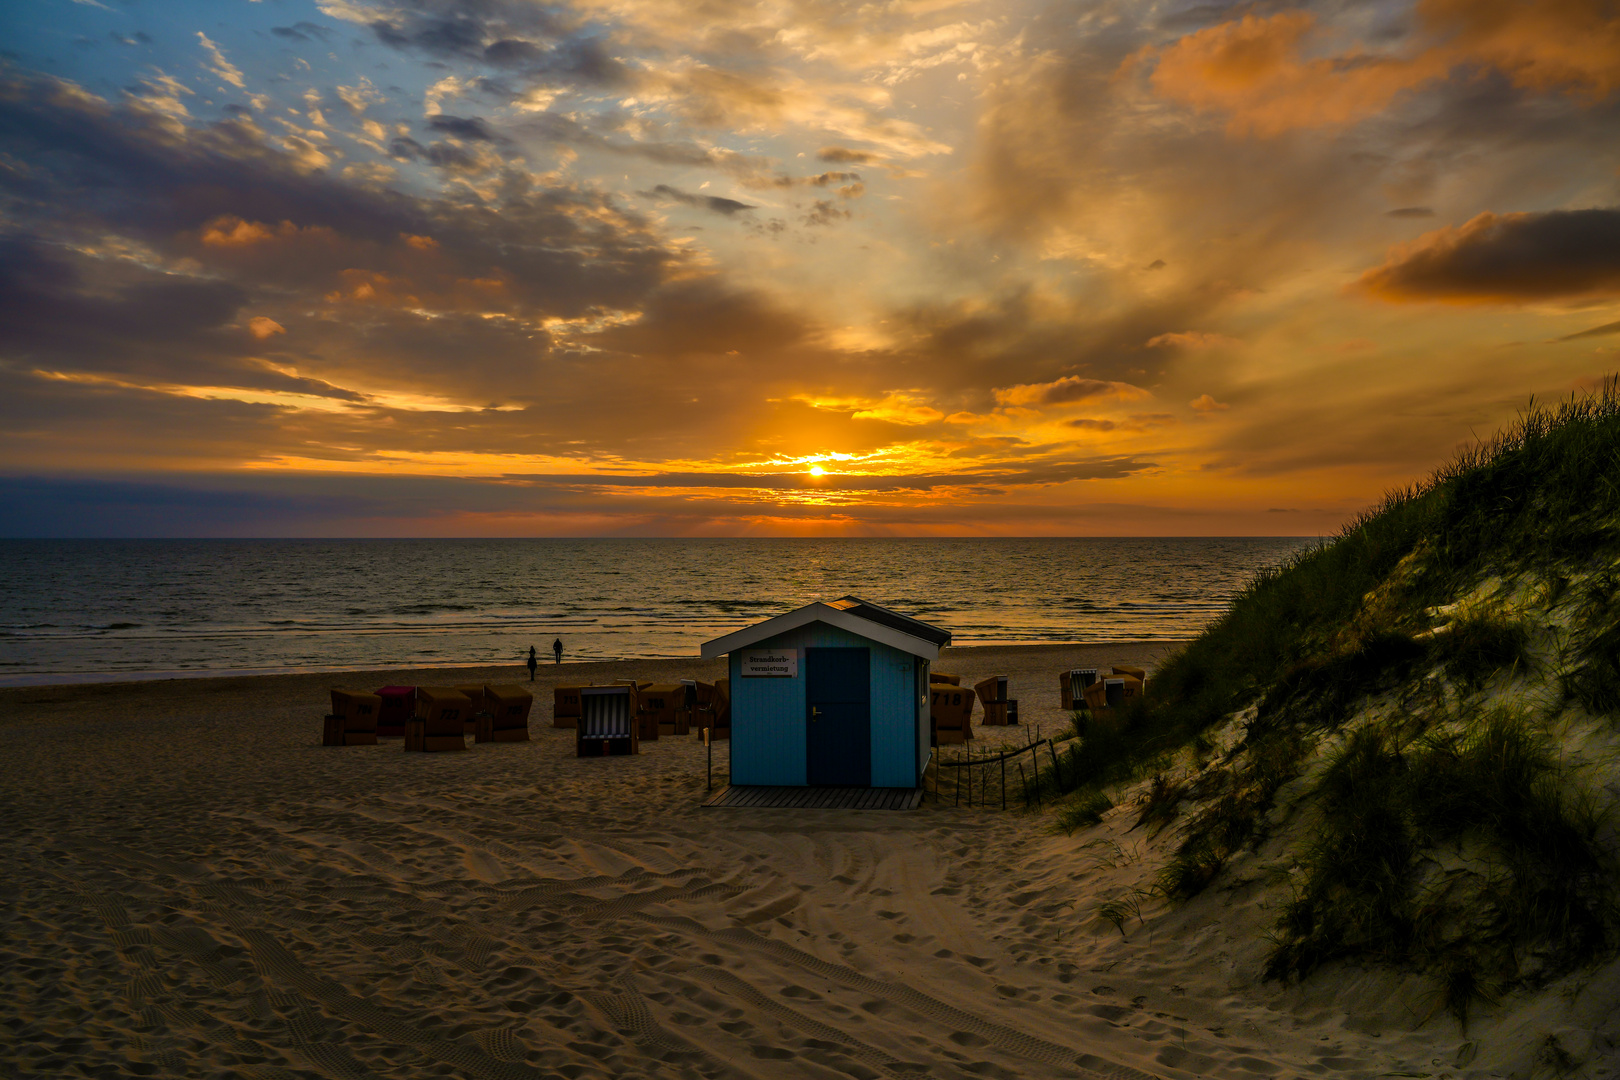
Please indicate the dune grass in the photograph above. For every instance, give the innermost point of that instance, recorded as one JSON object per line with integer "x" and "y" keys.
{"x": 1537, "y": 884}
{"x": 1311, "y": 644}
{"x": 1545, "y": 492}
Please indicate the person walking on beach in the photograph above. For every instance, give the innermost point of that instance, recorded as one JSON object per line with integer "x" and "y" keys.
{"x": 556, "y": 647}
{"x": 534, "y": 662}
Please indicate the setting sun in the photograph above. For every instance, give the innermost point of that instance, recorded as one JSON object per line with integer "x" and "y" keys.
{"x": 817, "y": 470}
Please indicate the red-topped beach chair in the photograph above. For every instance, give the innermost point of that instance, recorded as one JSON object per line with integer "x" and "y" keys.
{"x": 398, "y": 707}
{"x": 439, "y": 722}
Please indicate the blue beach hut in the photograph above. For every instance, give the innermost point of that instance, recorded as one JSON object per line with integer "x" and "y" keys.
{"x": 830, "y": 695}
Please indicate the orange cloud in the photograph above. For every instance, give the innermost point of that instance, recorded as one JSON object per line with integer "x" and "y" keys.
{"x": 1205, "y": 403}
{"x": 261, "y": 327}
{"x": 1253, "y": 68}
{"x": 1259, "y": 69}
{"x": 234, "y": 232}
{"x": 1553, "y": 45}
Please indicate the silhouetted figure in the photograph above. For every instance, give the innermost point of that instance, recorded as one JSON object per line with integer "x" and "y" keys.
{"x": 556, "y": 647}
{"x": 534, "y": 662}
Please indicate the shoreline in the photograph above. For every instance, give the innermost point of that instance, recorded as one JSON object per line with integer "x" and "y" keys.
{"x": 301, "y": 698}
{"x": 44, "y": 681}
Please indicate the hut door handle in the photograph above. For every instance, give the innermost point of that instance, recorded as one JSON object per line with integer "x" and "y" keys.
{"x": 814, "y": 712}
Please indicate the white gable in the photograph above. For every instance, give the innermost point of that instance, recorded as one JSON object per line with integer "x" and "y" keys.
{"x": 819, "y": 612}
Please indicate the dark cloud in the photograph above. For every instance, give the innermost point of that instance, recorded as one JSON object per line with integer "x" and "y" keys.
{"x": 566, "y": 129}
{"x": 1506, "y": 258}
{"x": 52, "y": 315}
{"x": 441, "y": 37}
{"x": 1410, "y": 212}
{"x": 1108, "y": 468}
{"x": 1088, "y": 424}
{"x": 840, "y": 155}
{"x": 302, "y": 31}
{"x": 511, "y": 52}
{"x": 528, "y": 39}
{"x": 268, "y": 504}
{"x": 1596, "y": 331}
{"x": 718, "y": 205}
{"x": 965, "y": 349}
{"x": 825, "y": 212}
{"x": 470, "y": 127}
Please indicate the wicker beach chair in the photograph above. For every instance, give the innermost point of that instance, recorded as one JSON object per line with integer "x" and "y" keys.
{"x": 703, "y": 697}
{"x": 943, "y": 677}
{"x": 565, "y": 707}
{"x": 440, "y": 720}
{"x": 1139, "y": 674}
{"x": 656, "y": 708}
{"x": 353, "y": 719}
{"x": 720, "y": 718}
{"x": 506, "y": 714}
{"x": 950, "y": 714}
{"x": 475, "y": 694}
{"x": 686, "y": 711}
{"x": 1113, "y": 692}
{"x": 398, "y": 707}
{"x": 608, "y": 725}
{"x": 1073, "y": 684}
{"x": 999, "y": 710}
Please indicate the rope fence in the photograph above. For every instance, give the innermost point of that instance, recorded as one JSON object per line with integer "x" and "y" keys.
{"x": 984, "y": 776}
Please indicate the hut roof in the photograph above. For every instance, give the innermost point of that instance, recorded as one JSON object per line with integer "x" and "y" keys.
{"x": 849, "y": 613}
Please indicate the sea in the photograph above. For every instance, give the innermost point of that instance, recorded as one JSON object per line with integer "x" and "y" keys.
{"x": 92, "y": 610}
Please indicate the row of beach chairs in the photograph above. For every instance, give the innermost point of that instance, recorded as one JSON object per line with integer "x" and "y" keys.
{"x": 616, "y": 719}
{"x": 429, "y": 717}
{"x": 950, "y": 706}
{"x": 1089, "y": 688}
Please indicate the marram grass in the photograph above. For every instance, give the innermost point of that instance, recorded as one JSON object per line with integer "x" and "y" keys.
{"x": 1433, "y": 775}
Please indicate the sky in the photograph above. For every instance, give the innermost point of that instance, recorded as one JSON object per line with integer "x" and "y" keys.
{"x": 814, "y": 268}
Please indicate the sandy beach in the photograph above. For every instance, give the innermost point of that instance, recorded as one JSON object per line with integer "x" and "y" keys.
{"x": 195, "y": 887}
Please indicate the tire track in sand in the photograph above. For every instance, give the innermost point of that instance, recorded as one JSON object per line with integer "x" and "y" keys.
{"x": 1009, "y": 1039}
{"x": 277, "y": 963}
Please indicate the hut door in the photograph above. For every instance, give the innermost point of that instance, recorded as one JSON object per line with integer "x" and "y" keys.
{"x": 838, "y": 701}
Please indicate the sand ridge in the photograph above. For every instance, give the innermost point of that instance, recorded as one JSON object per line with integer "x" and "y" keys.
{"x": 196, "y": 887}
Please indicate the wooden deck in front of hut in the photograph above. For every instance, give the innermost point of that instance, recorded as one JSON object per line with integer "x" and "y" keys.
{"x": 817, "y": 798}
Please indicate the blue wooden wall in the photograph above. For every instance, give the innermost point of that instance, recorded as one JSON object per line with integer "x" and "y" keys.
{"x": 768, "y": 715}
